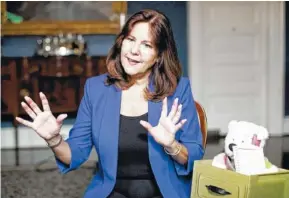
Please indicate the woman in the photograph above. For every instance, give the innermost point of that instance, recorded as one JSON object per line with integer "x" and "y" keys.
{"x": 145, "y": 149}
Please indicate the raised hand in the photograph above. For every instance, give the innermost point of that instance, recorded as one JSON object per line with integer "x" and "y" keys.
{"x": 164, "y": 132}
{"x": 44, "y": 123}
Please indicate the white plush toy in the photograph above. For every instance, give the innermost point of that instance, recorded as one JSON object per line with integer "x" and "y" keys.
{"x": 242, "y": 134}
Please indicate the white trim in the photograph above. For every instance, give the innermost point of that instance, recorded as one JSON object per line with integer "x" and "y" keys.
{"x": 194, "y": 24}
{"x": 27, "y": 137}
{"x": 286, "y": 126}
{"x": 276, "y": 69}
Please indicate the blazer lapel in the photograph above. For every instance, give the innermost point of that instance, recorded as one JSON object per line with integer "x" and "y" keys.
{"x": 108, "y": 139}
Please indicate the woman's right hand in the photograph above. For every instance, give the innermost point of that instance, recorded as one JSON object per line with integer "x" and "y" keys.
{"x": 44, "y": 123}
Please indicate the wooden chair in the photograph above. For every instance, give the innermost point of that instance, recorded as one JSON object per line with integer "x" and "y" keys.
{"x": 203, "y": 122}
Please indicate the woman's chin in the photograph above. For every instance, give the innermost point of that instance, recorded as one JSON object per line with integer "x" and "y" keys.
{"x": 131, "y": 70}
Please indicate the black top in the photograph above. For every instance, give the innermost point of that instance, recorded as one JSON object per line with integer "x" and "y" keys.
{"x": 133, "y": 159}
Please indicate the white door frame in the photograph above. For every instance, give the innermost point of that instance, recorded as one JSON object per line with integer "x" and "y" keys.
{"x": 275, "y": 74}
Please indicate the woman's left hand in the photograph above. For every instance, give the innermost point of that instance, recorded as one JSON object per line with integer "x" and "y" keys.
{"x": 164, "y": 132}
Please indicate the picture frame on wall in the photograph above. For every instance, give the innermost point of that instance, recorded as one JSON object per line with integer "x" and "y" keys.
{"x": 55, "y": 17}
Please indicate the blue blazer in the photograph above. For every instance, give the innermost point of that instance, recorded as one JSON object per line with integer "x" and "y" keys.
{"x": 97, "y": 124}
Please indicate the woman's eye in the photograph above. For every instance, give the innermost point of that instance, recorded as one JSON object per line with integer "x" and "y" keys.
{"x": 147, "y": 45}
{"x": 130, "y": 39}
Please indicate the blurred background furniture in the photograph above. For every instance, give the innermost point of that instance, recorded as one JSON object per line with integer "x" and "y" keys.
{"x": 60, "y": 78}
{"x": 10, "y": 95}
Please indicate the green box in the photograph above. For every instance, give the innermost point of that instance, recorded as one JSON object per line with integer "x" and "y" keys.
{"x": 206, "y": 178}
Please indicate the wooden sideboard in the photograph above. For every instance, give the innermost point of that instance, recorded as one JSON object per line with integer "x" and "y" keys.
{"x": 61, "y": 79}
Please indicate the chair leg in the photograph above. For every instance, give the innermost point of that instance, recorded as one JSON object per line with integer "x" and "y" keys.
{"x": 17, "y": 156}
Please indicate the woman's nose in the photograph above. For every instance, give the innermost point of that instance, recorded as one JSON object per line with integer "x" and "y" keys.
{"x": 135, "y": 48}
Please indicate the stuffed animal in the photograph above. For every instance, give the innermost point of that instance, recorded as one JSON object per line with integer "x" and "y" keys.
{"x": 242, "y": 134}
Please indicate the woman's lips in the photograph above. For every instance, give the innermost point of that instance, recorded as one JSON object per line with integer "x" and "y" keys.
{"x": 132, "y": 61}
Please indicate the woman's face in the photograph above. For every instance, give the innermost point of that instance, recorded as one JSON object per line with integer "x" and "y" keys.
{"x": 138, "y": 52}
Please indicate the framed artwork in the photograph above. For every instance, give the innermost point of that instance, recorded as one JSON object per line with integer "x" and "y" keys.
{"x": 55, "y": 17}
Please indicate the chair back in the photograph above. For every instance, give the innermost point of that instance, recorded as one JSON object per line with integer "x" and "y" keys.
{"x": 203, "y": 122}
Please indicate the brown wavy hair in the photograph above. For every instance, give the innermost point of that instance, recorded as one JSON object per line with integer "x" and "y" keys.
{"x": 166, "y": 71}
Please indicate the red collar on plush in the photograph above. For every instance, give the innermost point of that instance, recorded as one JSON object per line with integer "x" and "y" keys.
{"x": 255, "y": 141}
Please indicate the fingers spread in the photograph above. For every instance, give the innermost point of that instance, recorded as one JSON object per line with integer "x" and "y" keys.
{"x": 60, "y": 118}
{"x": 146, "y": 125}
{"x": 24, "y": 122}
{"x": 44, "y": 102}
{"x": 164, "y": 108}
{"x": 28, "y": 110}
{"x": 32, "y": 105}
{"x": 180, "y": 124}
{"x": 177, "y": 116}
{"x": 174, "y": 109}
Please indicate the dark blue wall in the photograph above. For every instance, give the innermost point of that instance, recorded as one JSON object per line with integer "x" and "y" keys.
{"x": 100, "y": 44}
{"x": 287, "y": 61}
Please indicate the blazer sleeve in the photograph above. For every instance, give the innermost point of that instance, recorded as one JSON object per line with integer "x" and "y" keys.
{"x": 80, "y": 136}
{"x": 190, "y": 135}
